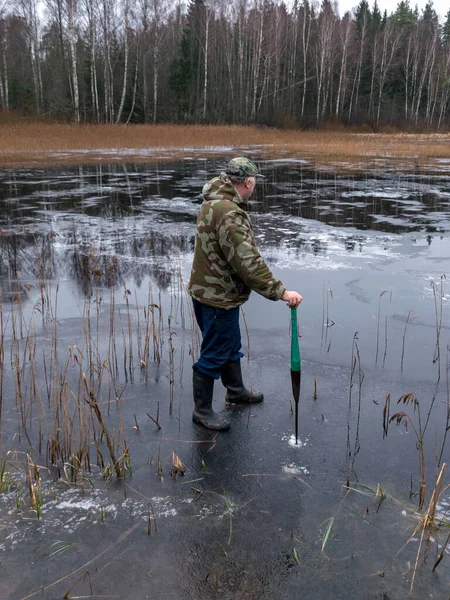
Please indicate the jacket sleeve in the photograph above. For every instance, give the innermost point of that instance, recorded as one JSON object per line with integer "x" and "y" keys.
{"x": 236, "y": 239}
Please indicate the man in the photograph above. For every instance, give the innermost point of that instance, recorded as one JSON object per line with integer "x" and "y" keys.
{"x": 226, "y": 267}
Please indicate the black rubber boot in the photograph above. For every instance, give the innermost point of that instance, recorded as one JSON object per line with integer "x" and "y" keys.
{"x": 203, "y": 396}
{"x": 237, "y": 393}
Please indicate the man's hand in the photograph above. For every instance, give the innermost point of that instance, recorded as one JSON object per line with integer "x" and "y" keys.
{"x": 293, "y": 299}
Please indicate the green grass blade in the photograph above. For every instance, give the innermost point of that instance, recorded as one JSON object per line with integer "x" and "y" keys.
{"x": 327, "y": 532}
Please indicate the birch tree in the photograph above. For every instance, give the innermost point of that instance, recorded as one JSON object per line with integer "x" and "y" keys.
{"x": 91, "y": 14}
{"x": 445, "y": 85}
{"x": 28, "y": 10}
{"x": 306, "y": 33}
{"x": 389, "y": 47}
{"x": 71, "y": 32}
{"x": 323, "y": 55}
{"x": 156, "y": 45}
{"x": 257, "y": 52}
{"x": 346, "y": 33}
{"x": 107, "y": 24}
{"x": 126, "y": 9}
{"x": 362, "y": 23}
{"x": 4, "y": 87}
{"x": 227, "y": 43}
{"x": 223, "y": 61}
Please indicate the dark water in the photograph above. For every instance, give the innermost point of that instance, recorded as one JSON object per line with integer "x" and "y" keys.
{"x": 253, "y": 516}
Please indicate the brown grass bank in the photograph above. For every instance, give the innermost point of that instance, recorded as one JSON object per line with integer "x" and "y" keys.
{"x": 47, "y": 144}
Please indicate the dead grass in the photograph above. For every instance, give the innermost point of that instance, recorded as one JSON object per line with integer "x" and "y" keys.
{"x": 43, "y": 143}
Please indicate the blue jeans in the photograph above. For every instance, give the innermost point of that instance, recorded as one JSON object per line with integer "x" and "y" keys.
{"x": 221, "y": 338}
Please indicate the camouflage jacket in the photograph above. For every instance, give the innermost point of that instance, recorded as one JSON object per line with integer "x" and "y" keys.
{"x": 227, "y": 264}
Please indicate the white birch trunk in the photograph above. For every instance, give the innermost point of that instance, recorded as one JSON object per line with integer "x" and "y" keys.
{"x": 445, "y": 93}
{"x": 323, "y": 61}
{"x": 293, "y": 68}
{"x": 108, "y": 72}
{"x": 94, "y": 82}
{"x": 30, "y": 16}
{"x": 306, "y": 31}
{"x": 2, "y": 92}
{"x": 125, "y": 66}
{"x": 419, "y": 91}
{"x": 4, "y": 70}
{"x": 106, "y": 92}
{"x": 277, "y": 59}
{"x": 357, "y": 81}
{"x": 155, "y": 81}
{"x": 263, "y": 87}
{"x": 257, "y": 63}
{"x": 5, "y": 75}
{"x": 241, "y": 62}
{"x": 435, "y": 96}
{"x": 133, "y": 103}
{"x": 227, "y": 43}
{"x": 430, "y": 69}
{"x": 391, "y": 43}
{"x": 39, "y": 73}
{"x": 415, "y": 72}
{"x": 34, "y": 68}
{"x": 145, "y": 7}
{"x": 71, "y": 7}
{"x": 2, "y": 66}
{"x": 93, "y": 57}
{"x": 374, "y": 68}
{"x": 406, "y": 71}
{"x": 343, "y": 70}
{"x": 205, "y": 64}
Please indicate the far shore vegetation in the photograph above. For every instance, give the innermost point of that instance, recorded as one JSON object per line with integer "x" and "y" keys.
{"x": 40, "y": 143}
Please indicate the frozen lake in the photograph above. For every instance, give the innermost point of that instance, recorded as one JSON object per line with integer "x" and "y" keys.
{"x": 94, "y": 316}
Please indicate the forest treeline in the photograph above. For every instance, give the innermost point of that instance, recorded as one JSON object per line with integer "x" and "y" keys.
{"x": 225, "y": 61}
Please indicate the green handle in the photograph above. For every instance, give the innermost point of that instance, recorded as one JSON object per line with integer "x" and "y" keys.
{"x": 296, "y": 361}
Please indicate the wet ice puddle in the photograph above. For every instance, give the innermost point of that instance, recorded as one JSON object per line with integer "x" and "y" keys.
{"x": 290, "y": 439}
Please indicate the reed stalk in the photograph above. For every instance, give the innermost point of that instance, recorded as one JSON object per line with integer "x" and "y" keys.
{"x": 404, "y": 339}
{"x": 447, "y": 392}
{"x": 427, "y": 523}
{"x": 92, "y": 402}
{"x": 438, "y": 322}
{"x": 401, "y": 418}
{"x": 171, "y": 352}
{"x": 127, "y": 293}
{"x": 352, "y": 370}
{"x": 246, "y": 333}
{"x": 378, "y": 323}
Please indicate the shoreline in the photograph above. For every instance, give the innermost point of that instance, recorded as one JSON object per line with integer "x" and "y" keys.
{"x": 37, "y": 145}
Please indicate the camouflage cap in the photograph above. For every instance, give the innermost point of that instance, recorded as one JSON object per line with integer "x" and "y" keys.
{"x": 242, "y": 167}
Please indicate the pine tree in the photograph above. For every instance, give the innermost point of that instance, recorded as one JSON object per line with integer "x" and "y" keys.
{"x": 187, "y": 72}
{"x": 362, "y": 16}
{"x": 182, "y": 75}
{"x": 446, "y": 30}
{"x": 376, "y": 20}
{"x": 403, "y": 16}
{"x": 429, "y": 14}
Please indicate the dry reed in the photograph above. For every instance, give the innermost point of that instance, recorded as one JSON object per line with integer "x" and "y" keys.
{"x": 401, "y": 418}
{"x": 65, "y": 395}
{"x": 378, "y": 325}
{"x": 41, "y": 142}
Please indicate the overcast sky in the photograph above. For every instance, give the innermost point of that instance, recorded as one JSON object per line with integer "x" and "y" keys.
{"x": 440, "y": 6}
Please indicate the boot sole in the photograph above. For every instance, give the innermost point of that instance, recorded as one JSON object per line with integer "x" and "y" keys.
{"x": 198, "y": 421}
{"x": 238, "y": 401}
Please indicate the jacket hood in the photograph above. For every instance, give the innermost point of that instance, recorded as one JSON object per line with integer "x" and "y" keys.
{"x": 221, "y": 188}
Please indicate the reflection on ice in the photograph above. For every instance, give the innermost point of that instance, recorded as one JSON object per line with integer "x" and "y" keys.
{"x": 80, "y": 219}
